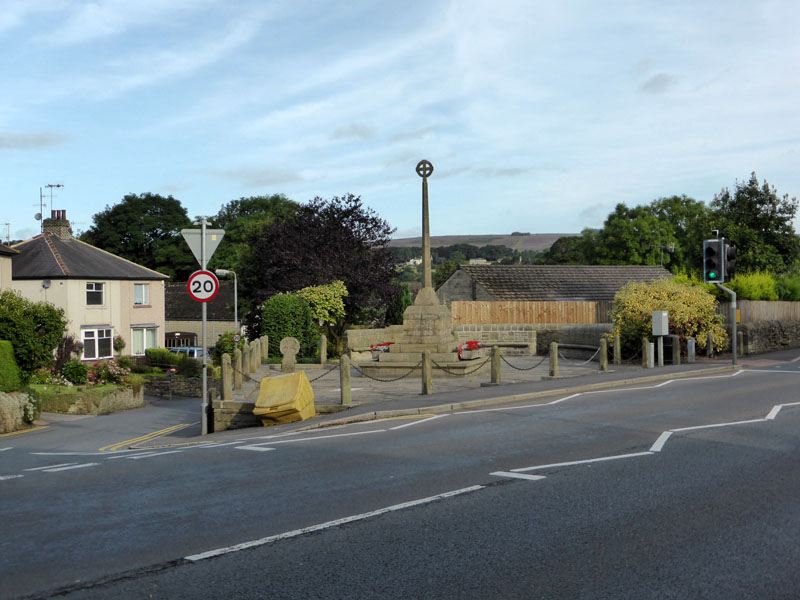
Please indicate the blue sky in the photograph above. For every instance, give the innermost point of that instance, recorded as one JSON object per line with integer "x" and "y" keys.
{"x": 538, "y": 116}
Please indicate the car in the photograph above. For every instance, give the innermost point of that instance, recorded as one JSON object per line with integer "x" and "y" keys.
{"x": 190, "y": 351}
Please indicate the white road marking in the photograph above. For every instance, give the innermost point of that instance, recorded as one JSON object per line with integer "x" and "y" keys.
{"x": 662, "y": 439}
{"x": 715, "y": 425}
{"x": 517, "y": 475}
{"x": 50, "y": 467}
{"x": 319, "y": 437}
{"x": 151, "y": 454}
{"x": 411, "y": 424}
{"x": 581, "y": 462}
{"x": 256, "y": 448}
{"x": 4, "y": 449}
{"x": 217, "y": 445}
{"x": 4, "y": 477}
{"x": 329, "y": 524}
{"x": 81, "y": 466}
{"x": 132, "y": 454}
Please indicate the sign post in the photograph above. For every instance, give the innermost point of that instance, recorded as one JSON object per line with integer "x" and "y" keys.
{"x": 203, "y": 285}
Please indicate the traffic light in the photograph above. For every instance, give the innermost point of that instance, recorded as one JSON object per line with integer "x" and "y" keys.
{"x": 730, "y": 261}
{"x": 713, "y": 261}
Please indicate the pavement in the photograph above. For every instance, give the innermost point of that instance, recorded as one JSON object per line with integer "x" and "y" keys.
{"x": 522, "y": 379}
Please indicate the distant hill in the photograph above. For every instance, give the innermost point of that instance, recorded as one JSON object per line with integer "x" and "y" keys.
{"x": 531, "y": 241}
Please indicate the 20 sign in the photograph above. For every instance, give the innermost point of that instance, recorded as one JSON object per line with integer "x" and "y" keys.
{"x": 202, "y": 286}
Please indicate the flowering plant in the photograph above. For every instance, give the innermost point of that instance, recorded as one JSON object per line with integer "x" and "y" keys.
{"x": 119, "y": 343}
{"x": 77, "y": 348}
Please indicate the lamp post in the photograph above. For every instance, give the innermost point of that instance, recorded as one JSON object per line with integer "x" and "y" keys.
{"x": 227, "y": 273}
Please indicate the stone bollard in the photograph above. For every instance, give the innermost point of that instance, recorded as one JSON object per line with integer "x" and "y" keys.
{"x": 246, "y": 354}
{"x": 740, "y": 342}
{"x": 676, "y": 349}
{"x": 645, "y": 345}
{"x": 603, "y": 359}
{"x": 660, "y": 350}
{"x": 710, "y": 345}
{"x": 617, "y": 349}
{"x": 344, "y": 380}
{"x": 264, "y": 349}
{"x": 553, "y": 359}
{"x": 255, "y": 356}
{"x": 650, "y": 352}
{"x": 323, "y": 349}
{"x": 427, "y": 373}
{"x": 226, "y": 377}
{"x": 690, "y": 350}
{"x": 289, "y": 348}
{"x": 237, "y": 369}
{"x": 496, "y": 365}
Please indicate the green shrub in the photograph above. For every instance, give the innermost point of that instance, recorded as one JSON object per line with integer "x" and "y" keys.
{"x": 10, "y": 379}
{"x": 288, "y": 315}
{"x": 788, "y": 287}
{"x": 126, "y": 362}
{"x": 76, "y": 372}
{"x": 758, "y": 285}
{"x": 107, "y": 371}
{"x": 692, "y": 313}
{"x": 189, "y": 367}
{"x": 33, "y": 408}
{"x": 225, "y": 345}
{"x": 33, "y": 328}
{"x": 136, "y": 382}
{"x": 161, "y": 357}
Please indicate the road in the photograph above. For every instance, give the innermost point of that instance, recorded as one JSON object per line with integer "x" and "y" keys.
{"x": 682, "y": 489}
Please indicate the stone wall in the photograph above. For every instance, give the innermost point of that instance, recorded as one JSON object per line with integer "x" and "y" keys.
{"x": 12, "y": 410}
{"x": 361, "y": 339}
{"x": 90, "y": 403}
{"x": 540, "y": 335}
{"x": 230, "y": 414}
{"x": 766, "y": 336}
{"x": 190, "y": 387}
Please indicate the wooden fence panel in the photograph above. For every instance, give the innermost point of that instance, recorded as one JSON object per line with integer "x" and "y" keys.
{"x": 486, "y": 313}
{"x": 753, "y": 311}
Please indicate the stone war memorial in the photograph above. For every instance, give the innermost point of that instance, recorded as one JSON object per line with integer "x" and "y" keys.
{"x": 426, "y": 323}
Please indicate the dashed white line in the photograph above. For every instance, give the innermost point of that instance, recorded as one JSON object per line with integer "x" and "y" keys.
{"x": 581, "y": 462}
{"x": 517, "y": 475}
{"x": 69, "y": 468}
{"x": 4, "y": 449}
{"x": 4, "y": 477}
{"x": 417, "y": 422}
{"x": 50, "y": 467}
{"x": 329, "y": 524}
{"x": 319, "y": 437}
{"x": 151, "y": 454}
{"x": 662, "y": 439}
{"x": 255, "y": 448}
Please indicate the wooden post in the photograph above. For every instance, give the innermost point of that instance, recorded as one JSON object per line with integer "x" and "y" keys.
{"x": 344, "y": 380}
{"x": 427, "y": 376}
{"x": 496, "y": 364}
{"x": 553, "y": 359}
{"x": 603, "y": 359}
{"x": 237, "y": 369}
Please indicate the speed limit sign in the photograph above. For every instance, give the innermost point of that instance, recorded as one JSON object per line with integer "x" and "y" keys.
{"x": 202, "y": 286}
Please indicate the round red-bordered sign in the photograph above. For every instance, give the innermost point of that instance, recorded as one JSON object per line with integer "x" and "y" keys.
{"x": 202, "y": 286}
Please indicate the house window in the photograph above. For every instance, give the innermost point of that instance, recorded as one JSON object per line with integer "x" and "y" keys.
{"x": 141, "y": 294}
{"x": 96, "y": 343}
{"x": 142, "y": 339}
{"x": 94, "y": 294}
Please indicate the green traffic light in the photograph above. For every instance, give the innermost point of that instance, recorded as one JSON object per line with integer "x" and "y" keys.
{"x": 712, "y": 275}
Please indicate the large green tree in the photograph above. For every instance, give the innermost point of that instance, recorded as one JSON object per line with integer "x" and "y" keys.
{"x": 242, "y": 218}
{"x": 632, "y": 236}
{"x": 759, "y": 223}
{"x": 145, "y": 229}
{"x": 323, "y": 241}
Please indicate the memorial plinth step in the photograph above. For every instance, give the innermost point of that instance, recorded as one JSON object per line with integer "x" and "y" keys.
{"x": 415, "y": 357}
{"x": 413, "y": 370}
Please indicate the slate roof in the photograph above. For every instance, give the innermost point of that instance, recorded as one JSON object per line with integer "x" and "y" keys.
{"x": 46, "y": 256}
{"x": 559, "y": 282}
{"x": 181, "y": 307}
{"x": 6, "y": 251}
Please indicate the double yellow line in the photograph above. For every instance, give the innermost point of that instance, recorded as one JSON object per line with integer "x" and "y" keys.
{"x": 144, "y": 438}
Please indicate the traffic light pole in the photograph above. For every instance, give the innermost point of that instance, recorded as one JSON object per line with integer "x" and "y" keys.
{"x": 734, "y": 340}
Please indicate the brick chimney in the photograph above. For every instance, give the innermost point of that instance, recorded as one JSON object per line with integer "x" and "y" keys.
{"x": 58, "y": 225}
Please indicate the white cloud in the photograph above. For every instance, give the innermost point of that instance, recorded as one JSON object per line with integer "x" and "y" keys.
{"x": 28, "y": 141}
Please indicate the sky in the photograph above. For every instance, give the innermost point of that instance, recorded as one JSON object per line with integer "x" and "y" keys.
{"x": 538, "y": 116}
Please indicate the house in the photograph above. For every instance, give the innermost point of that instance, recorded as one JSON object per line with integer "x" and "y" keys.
{"x": 184, "y": 315}
{"x": 543, "y": 282}
{"x": 103, "y": 295}
{"x": 6, "y": 254}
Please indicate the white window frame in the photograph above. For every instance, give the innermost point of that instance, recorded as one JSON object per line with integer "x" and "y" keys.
{"x": 91, "y": 339}
{"x": 149, "y": 339}
{"x": 145, "y": 300}
{"x": 93, "y": 287}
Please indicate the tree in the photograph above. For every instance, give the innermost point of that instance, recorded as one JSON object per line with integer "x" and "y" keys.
{"x": 689, "y": 222}
{"x": 759, "y": 224}
{"x": 33, "y": 328}
{"x": 570, "y": 250}
{"x": 241, "y": 218}
{"x": 443, "y": 273}
{"x": 327, "y": 308}
{"x": 145, "y": 229}
{"x": 632, "y": 236}
{"x": 323, "y": 241}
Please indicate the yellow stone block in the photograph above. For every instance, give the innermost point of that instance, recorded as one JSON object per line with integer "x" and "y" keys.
{"x": 285, "y": 399}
